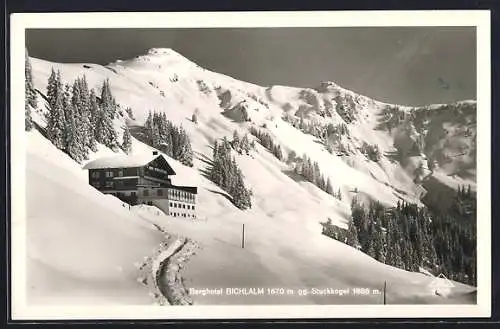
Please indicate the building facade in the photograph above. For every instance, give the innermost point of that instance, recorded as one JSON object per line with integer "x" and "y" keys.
{"x": 143, "y": 180}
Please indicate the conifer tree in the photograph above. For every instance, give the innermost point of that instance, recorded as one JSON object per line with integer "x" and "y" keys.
{"x": 28, "y": 121}
{"x": 127, "y": 141}
{"x": 80, "y": 117}
{"x": 186, "y": 152}
{"x": 86, "y": 114}
{"x": 226, "y": 174}
{"x": 236, "y": 141}
{"x": 245, "y": 144}
{"x": 329, "y": 187}
{"x": 30, "y": 97}
{"x": 73, "y": 138}
{"x": 55, "y": 118}
{"x": 352, "y": 235}
{"x": 106, "y": 131}
{"x": 95, "y": 114}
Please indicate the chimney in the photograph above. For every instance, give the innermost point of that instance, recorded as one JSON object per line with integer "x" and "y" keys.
{"x": 155, "y": 152}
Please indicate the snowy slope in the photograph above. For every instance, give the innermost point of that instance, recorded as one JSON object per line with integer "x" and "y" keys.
{"x": 79, "y": 241}
{"x": 284, "y": 246}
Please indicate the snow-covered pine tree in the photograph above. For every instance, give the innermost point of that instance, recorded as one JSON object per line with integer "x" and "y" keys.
{"x": 316, "y": 178}
{"x": 95, "y": 114}
{"x": 329, "y": 187}
{"x": 86, "y": 114}
{"x": 148, "y": 127}
{"x": 52, "y": 88}
{"x": 55, "y": 117}
{"x": 155, "y": 135}
{"x": 236, "y": 141}
{"x": 107, "y": 134}
{"x": 73, "y": 138}
{"x": 107, "y": 99}
{"x": 127, "y": 141}
{"x": 75, "y": 98}
{"x": 241, "y": 196}
{"x": 245, "y": 144}
{"x": 30, "y": 97}
{"x": 28, "y": 121}
{"x": 352, "y": 235}
{"x": 176, "y": 142}
{"x": 226, "y": 174}
{"x": 168, "y": 137}
{"x": 186, "y": 152}
{"x": 323, "y": 183}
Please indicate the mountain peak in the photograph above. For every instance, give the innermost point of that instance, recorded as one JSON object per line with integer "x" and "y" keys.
{"x": 163, "y": 52}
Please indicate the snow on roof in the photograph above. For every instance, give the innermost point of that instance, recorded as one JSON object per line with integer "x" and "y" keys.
{"x": 121, "y": 161}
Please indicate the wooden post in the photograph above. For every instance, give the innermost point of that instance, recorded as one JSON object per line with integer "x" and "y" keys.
{"x": 385, "y": 288}
{"x": 243, "y": 237}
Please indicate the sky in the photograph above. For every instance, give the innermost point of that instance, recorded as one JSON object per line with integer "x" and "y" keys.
{"x": 401, "y": 65}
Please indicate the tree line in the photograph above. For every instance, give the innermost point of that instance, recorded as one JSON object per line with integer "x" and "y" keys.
{"x": 225, "y": 173}
{"x": 409, "y": 237}
{"x": 311, "y": 172}
{"x": 78, "y": 118}
{"x": 267, "y": 141}
{"x": 331, "y": 135}
{"x": 162, "y": 134}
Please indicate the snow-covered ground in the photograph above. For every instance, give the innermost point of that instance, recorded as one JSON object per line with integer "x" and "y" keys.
{"x": 84, "y": 247}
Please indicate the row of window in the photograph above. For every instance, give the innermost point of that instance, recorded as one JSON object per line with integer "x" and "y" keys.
{"x": 107, "y": 174}
{"x": 175, "y": 214}
{"x": 181, "y": 205}
{"x": 181, "y": 194}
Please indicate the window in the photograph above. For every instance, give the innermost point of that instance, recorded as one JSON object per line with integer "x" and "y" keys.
{"x": 96, "y": 174}
{"x": 184, "y": 206}
{"x": 159, "y": 192}
{"x": 96, "y": 184}
{"x": 120, "y": 172}
{"x": 133, "y": 194}
{"x": 145, "y": 192}
{"x": 109, "y": 184}
{"x": 171, "y": 204}
{"x": 192, "y": 207}
{"x": 109, "y": 173}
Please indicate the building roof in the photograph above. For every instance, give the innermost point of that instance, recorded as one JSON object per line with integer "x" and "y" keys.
{"x": 190, "y": 189}
{"x": 122, "y": 161}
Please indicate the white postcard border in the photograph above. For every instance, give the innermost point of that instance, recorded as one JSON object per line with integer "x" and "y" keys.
{"x": 19, "y": 22}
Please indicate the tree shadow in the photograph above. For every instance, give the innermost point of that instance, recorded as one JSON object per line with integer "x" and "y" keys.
{"x": 225, "y": 195}
{"x": 203, "y": 158}
{"x": 41, "y": 130}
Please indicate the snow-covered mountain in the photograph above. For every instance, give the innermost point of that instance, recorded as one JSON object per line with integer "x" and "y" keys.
{"x": 421, "y": 151}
